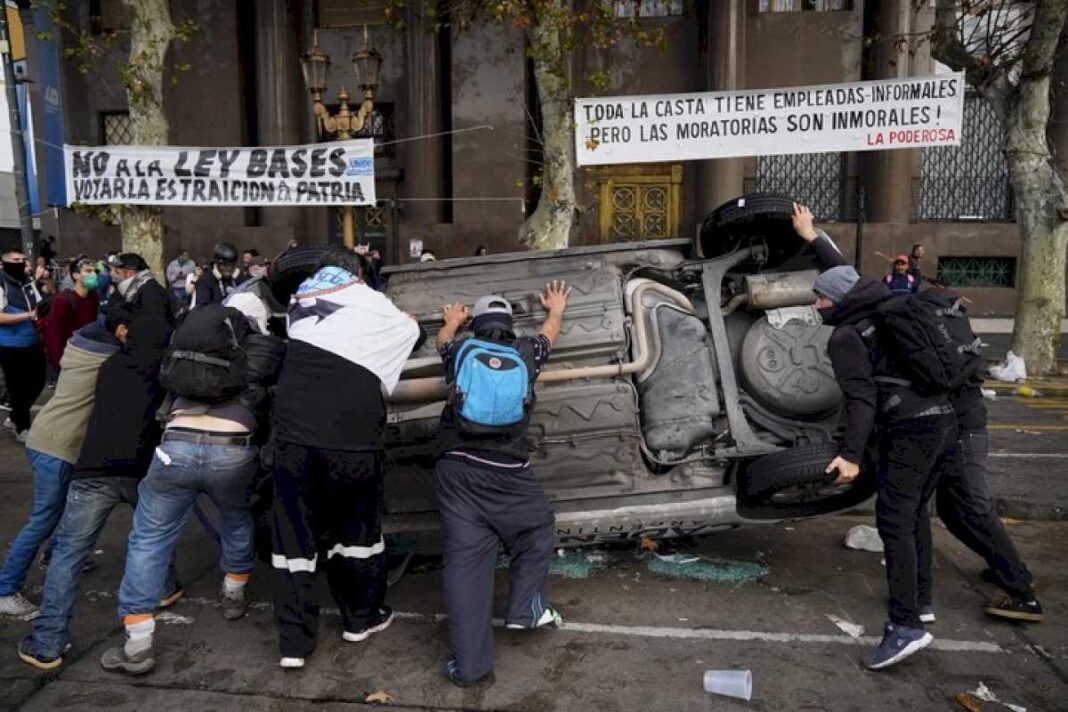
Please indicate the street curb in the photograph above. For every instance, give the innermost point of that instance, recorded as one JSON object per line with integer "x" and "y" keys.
{"x": 1046, "y": 388}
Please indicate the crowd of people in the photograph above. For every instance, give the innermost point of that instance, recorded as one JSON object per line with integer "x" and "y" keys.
{"x": 174, "y": 393}
{"x": 199, "y": 385}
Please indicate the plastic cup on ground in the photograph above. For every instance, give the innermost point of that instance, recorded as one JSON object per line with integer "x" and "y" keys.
{"x": 731, "y": 683}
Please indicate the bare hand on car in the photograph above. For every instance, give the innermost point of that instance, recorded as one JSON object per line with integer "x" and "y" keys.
{"x": 454, "y": 314}
{"x": 803, "y": 222}
{"x": 555, "y": 297}
{"x": 847, "y": 471}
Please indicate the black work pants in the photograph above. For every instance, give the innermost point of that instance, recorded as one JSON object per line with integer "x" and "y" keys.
{"x": 327, "y": 515}
{"x": 480, "y": 506}
{"x": 911, "y": 455}
{"x": 964, "y": 504}
{"x": 24, "y": 374}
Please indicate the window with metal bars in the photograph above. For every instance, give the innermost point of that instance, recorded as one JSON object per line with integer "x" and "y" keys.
{"x": 813, "y": 179}
{"x": 970, "y": 181}
{"x": 805, "y": 5}
{"x": 977, "y": 271}
{"x": 116, "y": 128}
{"x": 649, "y": 8}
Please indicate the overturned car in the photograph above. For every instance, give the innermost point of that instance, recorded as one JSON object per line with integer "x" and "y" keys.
{"x": 689, "y": 391}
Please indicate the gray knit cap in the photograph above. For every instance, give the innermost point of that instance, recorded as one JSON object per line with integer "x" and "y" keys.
{"x": 836, "y": 282}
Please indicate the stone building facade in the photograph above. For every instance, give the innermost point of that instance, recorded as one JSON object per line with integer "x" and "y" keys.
{"x": 457, "y": 153}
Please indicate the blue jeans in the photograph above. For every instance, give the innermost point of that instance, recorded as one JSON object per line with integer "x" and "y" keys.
{"x": 89, "y": 503}
{"x": 180, "y": 472}
{"x": 51, "y": 477}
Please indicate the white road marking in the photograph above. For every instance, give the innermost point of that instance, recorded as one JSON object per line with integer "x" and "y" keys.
{"x": 1030, "y": 455}
{"x": 956, "y": 646}
{"x": 947, "y": 645}
{"x": 851, "y": 629}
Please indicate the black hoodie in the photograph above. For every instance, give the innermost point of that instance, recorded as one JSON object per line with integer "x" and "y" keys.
{"x": 123, "y": 431}
{"x": 871, "y": 384}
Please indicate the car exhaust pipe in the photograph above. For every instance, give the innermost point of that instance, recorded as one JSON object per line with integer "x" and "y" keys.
{"x": 418, "y": 390}
{"x": 775, "y": 290}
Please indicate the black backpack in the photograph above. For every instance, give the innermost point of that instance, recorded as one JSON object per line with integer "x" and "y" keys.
{"x": 928, "y": 340}
{"x": 206, "y": 360}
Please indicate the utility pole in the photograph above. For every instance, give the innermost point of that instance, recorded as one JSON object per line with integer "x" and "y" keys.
{"x": 22, "y": 191}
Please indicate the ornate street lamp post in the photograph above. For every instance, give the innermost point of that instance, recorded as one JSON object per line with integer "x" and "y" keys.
{"x": 344, "y": 124}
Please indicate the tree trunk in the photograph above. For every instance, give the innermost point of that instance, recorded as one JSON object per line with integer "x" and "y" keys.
{"x": 1041, "y": 196}
{"x": 549, "y": 226}
{"x": 151, "y": 32}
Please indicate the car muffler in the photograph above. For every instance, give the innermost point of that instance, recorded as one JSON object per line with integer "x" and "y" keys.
{"x": 775, "y": 290}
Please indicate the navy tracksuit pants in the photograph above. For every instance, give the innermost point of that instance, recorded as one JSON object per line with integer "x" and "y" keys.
{"x": 327, "y": 517}
{"x": 481, "y": 505}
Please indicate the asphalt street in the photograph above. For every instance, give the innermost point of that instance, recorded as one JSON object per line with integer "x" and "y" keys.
{"x": 788, "y": 602}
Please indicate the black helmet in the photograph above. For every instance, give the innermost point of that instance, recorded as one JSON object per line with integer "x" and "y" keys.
{"x": 224, "y": 252}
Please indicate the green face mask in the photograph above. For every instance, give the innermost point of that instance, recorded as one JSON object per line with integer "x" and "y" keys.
{"x": 89, "y": 281}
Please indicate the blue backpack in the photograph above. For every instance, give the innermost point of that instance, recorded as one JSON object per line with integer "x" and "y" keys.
{"x": 491, "y": 387}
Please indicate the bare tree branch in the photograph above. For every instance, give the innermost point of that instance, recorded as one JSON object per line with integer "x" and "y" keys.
{"x": 948, "y": 47}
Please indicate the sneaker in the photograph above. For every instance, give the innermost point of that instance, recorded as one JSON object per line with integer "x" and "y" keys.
{"x": 452, "y": 671}
{"x": 9, "y": 425}
{"x": 5, "y": 403}
{"x": 1017, "y": 609}
{"x": 173, "y": 597}
{"x": 549, "y": 617}
{"x": 235, "y": 604}
{"x": 117, "y": 660}
{"x": 16, "y": 606}
{"x": 377, "y": 624}
{"x": 29, "y": 656}
{"x": 898, "y": 643}
{"x": 927, "y": 614}
{"x": 291, "y": 663}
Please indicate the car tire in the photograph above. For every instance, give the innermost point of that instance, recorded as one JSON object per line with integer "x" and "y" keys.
{"x": 293, "y": 267}
{"x": 753, "y": 216}
{"x": 793, "y": 483}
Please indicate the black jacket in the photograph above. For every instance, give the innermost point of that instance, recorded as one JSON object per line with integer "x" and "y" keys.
{"x": 872, "y": 385}
{"x": 864, "y": 373}
{"x": 150, "y": 299}
{"x": 212, "y": 288}
{"x": 826, "y": 254}
{"x": 122, "y": 430}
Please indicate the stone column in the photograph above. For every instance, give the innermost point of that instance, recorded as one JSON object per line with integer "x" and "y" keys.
{"x": 279, "y": 93}
{"x": 423, "y": 158}
{"x": 722, "y": 179}
{"x": 888, "y": 175}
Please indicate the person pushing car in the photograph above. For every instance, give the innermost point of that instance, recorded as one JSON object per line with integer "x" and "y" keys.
{"x": 486, "y": 489}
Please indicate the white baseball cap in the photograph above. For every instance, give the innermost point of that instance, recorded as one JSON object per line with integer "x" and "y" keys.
{"x": 491, "y": 304}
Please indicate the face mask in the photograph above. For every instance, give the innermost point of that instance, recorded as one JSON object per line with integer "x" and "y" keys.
{"x": 257, "y": 271}
{"x": 825, "y": 313}
{"x": 89, "y": 281}
{"x": 15, "y": 269}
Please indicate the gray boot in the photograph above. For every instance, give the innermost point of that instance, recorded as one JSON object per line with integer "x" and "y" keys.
{"x": 235, "y": 604}
{"x": 117, "y": 660}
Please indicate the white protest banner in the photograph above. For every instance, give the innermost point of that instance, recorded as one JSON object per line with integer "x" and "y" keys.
{"x": 861, "y": 116}
{"x": 338, "y": 173}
